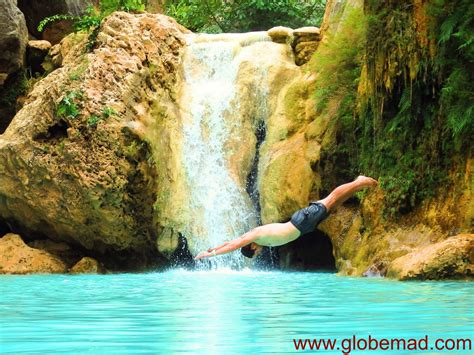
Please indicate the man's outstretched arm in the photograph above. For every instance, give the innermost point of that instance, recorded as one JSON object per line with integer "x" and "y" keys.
{"x": 218, "y": 247}
{"x": 228, "y": 247}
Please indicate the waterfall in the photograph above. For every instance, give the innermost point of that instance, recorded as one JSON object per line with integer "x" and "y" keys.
{"x": 213, "y": 122}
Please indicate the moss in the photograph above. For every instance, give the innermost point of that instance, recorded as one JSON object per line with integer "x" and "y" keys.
{"x": 294, "y": 99}
{"x": 406, "y": 109}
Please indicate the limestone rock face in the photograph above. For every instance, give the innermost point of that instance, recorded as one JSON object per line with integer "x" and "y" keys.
{"x": 280, "y": 34}
{"x": 18, "y": 258}
{"x": 13, "y": 38}
{"x": 305, "y": 43}
{"x": 286, "y": 177}
{"x": 87, "y": 265}
{"x": 37, "y": 10}
{"x": 75, "y": 165}
{"x": 295, "y": 168}
{"x": 451, "y": 258}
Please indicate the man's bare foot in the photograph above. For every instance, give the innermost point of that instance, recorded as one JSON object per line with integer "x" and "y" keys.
{"x": 367, "y": 181}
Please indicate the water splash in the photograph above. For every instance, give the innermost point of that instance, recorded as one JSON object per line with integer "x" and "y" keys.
{"x": 221, "y": 208}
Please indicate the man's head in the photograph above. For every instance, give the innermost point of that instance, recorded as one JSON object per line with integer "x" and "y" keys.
{"x": 251, "y": 250}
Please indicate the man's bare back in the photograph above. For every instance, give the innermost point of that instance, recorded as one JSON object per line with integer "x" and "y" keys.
{"x": 303, "y": 221}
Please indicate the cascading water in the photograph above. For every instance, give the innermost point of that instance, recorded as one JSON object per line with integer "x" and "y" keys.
{"x": 221, "y": 208}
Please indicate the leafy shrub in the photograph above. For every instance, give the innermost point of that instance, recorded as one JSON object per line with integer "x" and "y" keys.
{"x": 93, "y": 120}
{"x": 67, "y": 106}
{"x": 214, "y": 16}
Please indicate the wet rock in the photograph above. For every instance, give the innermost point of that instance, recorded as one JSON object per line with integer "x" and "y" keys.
{"x": 36, "y": 10}
{"x": 375, "y": 270}
{"x": 450, "y": 258}
{"x": 167, "y": 241}
{"x": 280, "y": 34}
{"x": 87, "y": 265}
{"x": 35, "y": 54}
{"x": 87, "y": 176}
{"x": 13, "y": 39}
{"x": 18, "y": 258}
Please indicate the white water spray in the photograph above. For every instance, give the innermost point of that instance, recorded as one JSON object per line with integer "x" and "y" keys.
{"x": 220, "y": 207}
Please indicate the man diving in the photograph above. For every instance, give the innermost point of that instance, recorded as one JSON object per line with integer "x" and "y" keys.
{"x": 302, "y": 222}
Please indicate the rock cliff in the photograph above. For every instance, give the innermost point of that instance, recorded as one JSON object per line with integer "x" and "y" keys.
{"x": 75, "y": 165}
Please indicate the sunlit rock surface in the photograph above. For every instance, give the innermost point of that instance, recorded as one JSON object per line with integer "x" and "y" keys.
{"x": 451, "y": 258}
{"x": 86, "y": 175}
{"x": 18, "y": 258}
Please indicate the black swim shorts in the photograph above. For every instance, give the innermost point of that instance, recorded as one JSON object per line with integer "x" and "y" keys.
{"x": 309, "y": 217}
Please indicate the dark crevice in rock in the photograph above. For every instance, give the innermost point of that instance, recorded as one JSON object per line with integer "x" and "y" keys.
{"x": 4, "y": 227}
{"x": 140, "y": 192}
{"x": 55, "y": 133}
{"x": 182, "y": 257}
{"x": 268, "y": 258}
{"x": 10, "y": 91}
{"x": 310, "y": 252}
{"x": 252, "y": 186}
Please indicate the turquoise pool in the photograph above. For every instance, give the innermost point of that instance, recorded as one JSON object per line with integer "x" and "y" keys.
{"x": 223, "y": 312}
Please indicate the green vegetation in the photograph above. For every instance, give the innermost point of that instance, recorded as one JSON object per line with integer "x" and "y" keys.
{"x": 214, "y": 16}
{"x": 18, "y": 84}
{"x": 93, "y": 120}
{"x": 15, "y": 86}
{"x": 67, "y": 106}
{"x": 91, "y": 20}
{"x": 405, "y": 108}
{"x": 106, "y": 113}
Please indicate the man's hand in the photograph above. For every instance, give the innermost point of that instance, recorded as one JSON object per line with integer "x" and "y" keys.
{"x": 203, "y": 254}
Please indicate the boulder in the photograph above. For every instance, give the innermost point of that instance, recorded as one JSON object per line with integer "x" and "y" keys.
{"x": 305, "y": 42}
{"x": 37, "y": 10}
{"x": 59, "y": 249}
{"x": 55, "y": 31}
{"x": 450, "y": 258}
{"x": 87, "y": 265}
{"x": 167, "y": 242}
{"x": 306, "y": 34}
{"x": 18, "y": 258}
{"x": 13, "y": 39}
{"x": 280, "y": 34}
{"x": 35, "y": 54}
{"x": 74, "y": 164}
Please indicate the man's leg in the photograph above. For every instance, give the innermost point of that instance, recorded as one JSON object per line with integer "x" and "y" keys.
{"x": 343, "y": 192}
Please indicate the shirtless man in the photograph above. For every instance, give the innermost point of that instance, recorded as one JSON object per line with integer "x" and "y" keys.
{"x": 303, "y": 221}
